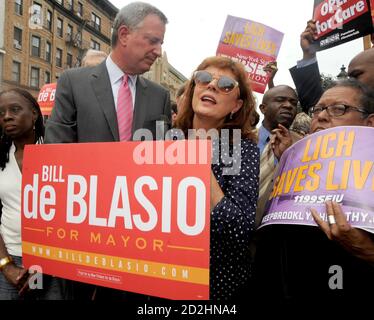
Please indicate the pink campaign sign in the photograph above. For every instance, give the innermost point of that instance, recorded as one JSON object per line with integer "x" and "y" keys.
{"x": 334, "y": 164}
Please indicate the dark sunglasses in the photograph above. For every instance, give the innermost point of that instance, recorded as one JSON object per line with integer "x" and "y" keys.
{"x": 224, "y": 84}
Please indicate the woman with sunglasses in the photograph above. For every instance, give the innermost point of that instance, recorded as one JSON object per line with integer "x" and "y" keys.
{"x": 21, "y": 123}
{"x": 219, "y": 97}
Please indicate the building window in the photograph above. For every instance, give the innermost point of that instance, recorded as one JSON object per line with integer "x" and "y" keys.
{"x": 69, "y": 4}
{"x": 69, "y": 60}
{"x": 48, "y": 47}
{"x": 16, "y": 72}
{"x": 35, "y": 46}
{"x": 59, "y": 58}
{"x": 36, "y": 14}
{"x": 69, "y": 29}
{"x": 17, "y": 38}
{"x": 18, "y": 7}
{"x": 47, "y": 77}
{"x": 80, "y": 10}
{"x": 95, "y": 45}
{"x": 60, "y": 27}
{"x": 69, "y": 32}
{"x": 78, "y": 39}
{"x": 34, "y": 77}
{"x": 49, "y": 20}
{"x": 96, "y": 21}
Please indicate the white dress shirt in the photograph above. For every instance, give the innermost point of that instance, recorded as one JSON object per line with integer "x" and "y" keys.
{"x": 115, "y": 76}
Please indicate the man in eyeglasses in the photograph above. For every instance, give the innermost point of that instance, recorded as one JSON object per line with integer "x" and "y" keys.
{"x": 293, "y": 262}
{"x": 306, "y": 75}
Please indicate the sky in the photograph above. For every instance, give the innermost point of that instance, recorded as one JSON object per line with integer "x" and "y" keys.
{"x": 195, "y": 27}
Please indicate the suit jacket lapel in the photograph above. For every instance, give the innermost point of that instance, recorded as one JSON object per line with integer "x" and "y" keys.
{"x": 140, "y": 108}
{"x": 101, "y": 86}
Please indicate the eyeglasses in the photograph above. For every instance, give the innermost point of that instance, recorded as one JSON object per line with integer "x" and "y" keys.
{"x": 334, "y": 110}
{"x": 224, "y": 84}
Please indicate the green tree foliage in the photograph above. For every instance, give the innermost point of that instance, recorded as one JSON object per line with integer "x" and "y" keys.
{"x": 327, "y": 80}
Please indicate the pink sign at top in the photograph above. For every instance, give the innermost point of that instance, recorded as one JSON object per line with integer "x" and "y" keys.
{"x": 253, "y": 44}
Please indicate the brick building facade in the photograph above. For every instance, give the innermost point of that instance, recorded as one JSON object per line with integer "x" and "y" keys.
{"x": 39, "y": 39}
{"x": 42, "y": 38}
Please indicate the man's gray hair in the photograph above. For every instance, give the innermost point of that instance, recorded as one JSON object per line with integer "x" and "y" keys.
{"x": 132, "y": 16}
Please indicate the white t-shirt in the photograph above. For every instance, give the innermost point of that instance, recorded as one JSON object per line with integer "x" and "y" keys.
{"x": 10, "y": 195}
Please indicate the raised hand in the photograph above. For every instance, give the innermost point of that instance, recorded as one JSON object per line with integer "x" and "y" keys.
{"x": 271, "y": 69}
{"x": 307, "y": 38}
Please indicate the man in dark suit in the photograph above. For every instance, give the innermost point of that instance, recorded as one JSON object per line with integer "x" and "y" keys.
{"x": 88, "y": 99}
{"x": 306, "y": 74}
{"x": 86, "y": 103}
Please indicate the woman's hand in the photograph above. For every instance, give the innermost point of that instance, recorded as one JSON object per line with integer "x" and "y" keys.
{"x": 280, "y": 140}
{"x": 356, "y": 241}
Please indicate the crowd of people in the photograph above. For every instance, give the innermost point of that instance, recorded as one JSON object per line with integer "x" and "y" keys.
{"x": 108, "y": 100}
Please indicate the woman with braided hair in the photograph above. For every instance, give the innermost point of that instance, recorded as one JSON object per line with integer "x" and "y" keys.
{"x": 21, "y": 123}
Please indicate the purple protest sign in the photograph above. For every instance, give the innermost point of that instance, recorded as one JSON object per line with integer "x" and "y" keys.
{"x": 334, "y": 164}
{"x": 253, "y": 44}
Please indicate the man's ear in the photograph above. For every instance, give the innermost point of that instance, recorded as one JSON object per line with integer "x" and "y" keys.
{"x": 370, "y": 120}
{"x": 262, "y": 108}
{"x": 123, "y": 32}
